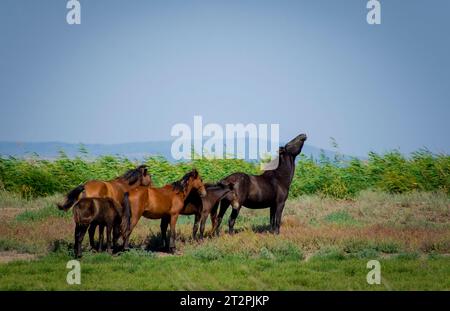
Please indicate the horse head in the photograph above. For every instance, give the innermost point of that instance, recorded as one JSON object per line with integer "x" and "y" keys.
{"x": 294, "y": 147}
{"x": 191, "y": 180}
{"x": 197, "y": 183}
{"x": 145, "y": 177}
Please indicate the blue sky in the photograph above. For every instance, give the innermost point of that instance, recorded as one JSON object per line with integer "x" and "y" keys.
{"x": 133, "y": 69}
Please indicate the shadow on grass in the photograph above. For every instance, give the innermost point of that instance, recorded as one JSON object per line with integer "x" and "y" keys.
{"x": 261, "y": 228}
{"x": 60, "y": 246}
{"x": 154, "y": 243}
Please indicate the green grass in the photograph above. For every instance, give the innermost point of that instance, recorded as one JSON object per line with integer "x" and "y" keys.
{"x": 283, "y": 250}
{"x": 324, "y": 244}
{"x": 11, "y": 245}
{"x": 50, "y": 210}
{"x": 140, "y": 271}
{"x": 341, "y": 217}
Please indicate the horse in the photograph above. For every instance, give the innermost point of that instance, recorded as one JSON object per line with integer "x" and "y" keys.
{"x": 268, "y": 190}
{"x": 102, "y": 211}
{"x": 201, "y": 207}
{"x": 163, "y": 203}
{"x": 114, "y": 189}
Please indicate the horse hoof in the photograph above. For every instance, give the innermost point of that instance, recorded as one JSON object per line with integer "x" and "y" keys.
{"x": 172, "y": 250}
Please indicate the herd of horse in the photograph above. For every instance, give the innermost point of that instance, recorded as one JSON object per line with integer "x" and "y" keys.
{"x": 118, "y": 204}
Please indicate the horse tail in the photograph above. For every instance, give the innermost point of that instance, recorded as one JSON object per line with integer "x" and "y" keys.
{"x": 76, "y": 213}
{"x": 126, "y": 215}
{"x": 71, "y": 198}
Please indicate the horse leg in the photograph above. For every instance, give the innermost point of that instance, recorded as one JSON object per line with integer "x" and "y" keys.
{"x": 116, "y": 235}
{"x": 108, "y": 238}
{"x": 195, "y": 227}
{"x": 135, "y": 216}
{"x": 92, "y": 228}
{"x": 232, "y": 220}
{"x": 173, "y": 234}
{"x": 100, "y": 237}
{"x": 213, "y": 216}
{"x": 272, "y": 218}
{"x": 206, "y": 210}
{"x": 203, "y": 223}
{"x": 278, "y": 214}
{"x": 223, "y": 208}
{"x": 164, "y": 223}
{"x": 80, "y": 231}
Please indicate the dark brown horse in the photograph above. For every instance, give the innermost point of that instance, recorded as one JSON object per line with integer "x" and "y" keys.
{"x": 202, "y": 207}
{"x": 100, "y": 211}
{"x": 114, "y": 189}
{"x": 166, "y": 202}
{"x": 268, "y": 190}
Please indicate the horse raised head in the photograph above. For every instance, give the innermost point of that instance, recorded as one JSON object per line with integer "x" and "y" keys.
{"x": 294, "y": 147}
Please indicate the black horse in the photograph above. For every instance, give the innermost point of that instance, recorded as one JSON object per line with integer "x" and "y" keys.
{"x": 269, "y": 189}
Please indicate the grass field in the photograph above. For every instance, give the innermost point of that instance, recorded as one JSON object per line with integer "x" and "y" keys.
{"x": 324, "y": 244}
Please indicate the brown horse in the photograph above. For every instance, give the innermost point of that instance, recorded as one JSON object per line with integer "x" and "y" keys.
{"x": 114, "y": 189}
{"x": 166, "y": 202}
{"x": 201, "y": 207}
{"x": 102, "y": 211}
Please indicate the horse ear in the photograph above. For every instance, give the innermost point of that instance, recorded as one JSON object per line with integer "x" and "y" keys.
{"x": 194, "y": 173}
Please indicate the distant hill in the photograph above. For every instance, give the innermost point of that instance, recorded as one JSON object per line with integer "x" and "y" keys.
{"x": 132, "y": 151}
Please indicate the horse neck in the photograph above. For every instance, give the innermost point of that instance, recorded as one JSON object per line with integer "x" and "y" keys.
{"x": 217, "y": 194}
{"x": 187, "y": 190}
{"x": 286, "y": 168}
{"x": 124, "y": 185}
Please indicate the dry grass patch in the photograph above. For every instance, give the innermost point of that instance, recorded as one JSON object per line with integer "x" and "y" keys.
{"x": 373, "y": 223}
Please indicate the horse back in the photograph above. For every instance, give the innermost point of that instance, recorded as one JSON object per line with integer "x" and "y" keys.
{"x": 103, "y": 189}
{"x": 259, "y": 192}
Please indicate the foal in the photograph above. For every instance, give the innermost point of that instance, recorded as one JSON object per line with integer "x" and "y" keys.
{"x": 104, "y": 212}
{"x": 166, "y": 202}
{"x": 202, "y": 207}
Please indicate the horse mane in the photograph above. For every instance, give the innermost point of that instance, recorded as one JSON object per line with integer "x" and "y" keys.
{"x": 180, "y": 185}
{"x": 209, "y": 184}
{"x": 216, "y": 185}
{"x": 133, "y": 175}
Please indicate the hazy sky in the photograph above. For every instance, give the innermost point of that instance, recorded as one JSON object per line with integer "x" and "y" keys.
{"x": 133, "y": 69}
